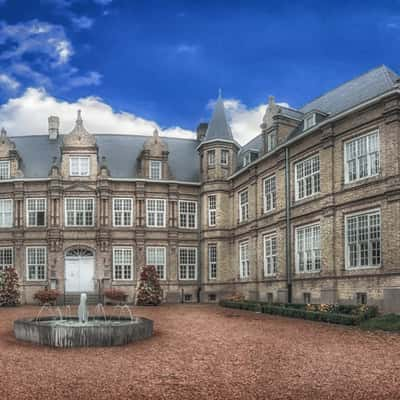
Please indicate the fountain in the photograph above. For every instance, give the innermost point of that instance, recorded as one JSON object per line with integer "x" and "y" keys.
{"x": 83, "y": 331}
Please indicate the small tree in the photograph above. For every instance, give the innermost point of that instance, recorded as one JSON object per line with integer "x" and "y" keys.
{"x": 148, "y": 292}
{"x": 9, "y": 287}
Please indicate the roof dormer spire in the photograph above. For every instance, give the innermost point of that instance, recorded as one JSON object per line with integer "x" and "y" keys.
{"x": 3, "y": 132}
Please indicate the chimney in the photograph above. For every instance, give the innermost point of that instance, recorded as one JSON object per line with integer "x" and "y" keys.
{"x": 201, "y": 130}
{"x": 54, "y": 127}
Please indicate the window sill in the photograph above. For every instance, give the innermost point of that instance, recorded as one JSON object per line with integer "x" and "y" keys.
{"x": 368, "y": 267}
{"x": 362, "y": 181}
{"x": 304, "y": 200}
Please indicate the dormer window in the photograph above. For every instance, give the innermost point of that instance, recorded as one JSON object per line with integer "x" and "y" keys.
{"x": 155, "y": 170}
{"x": 310, "y": 121}
{"x": 224, "y": 157}
{"x": 271, "y": 141}
{"x": 4, "y": 170}
{"x": 211, "y": 158}
{"x": 249, "y": 157}
{"x": 79, "y": 166}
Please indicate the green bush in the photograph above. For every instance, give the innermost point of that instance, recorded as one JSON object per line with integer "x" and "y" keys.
{"x": 388, "y": 322}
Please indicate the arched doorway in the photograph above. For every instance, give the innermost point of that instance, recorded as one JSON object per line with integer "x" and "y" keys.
{"x": 79, "y": 270}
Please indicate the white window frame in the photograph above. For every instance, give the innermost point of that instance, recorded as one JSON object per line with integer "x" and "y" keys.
{"x": 187, "y": 218}
{"x": 80, "y": 170}
{"x": 224, "y": 156}
{"x": 212, "y": 253}
{"x": 36, "y": 264}
{"x": 368, "y": 214}
{"x": 271, "y": 141}
{"x": 270, "y": 254}
{"x": 310, "y": 253}
{"x": 75, "y": 211}
{"x": 3, "y": 264}
{"x": 310, "y": 121}
{"x": 211, "y": 158}
{"x": 371, "y": 156}
{"x": 6, "y": 215}
{"x": 155, "y": 169}
{"x": 5, "y": 170}
{"x": 156, "y": 212}
{"x": 126, "y": 267}
{"x": 244, "y": 260}
{"x": 122, "y": 214}
{"x": 34, "y": 211}
{"x": 161, "y": 268}
{"x": 243, "y": 206}
{"x": 270, "y": 196}
{"x": 247, "y": 159}
{"x": 212, "y": 209}
{"x": 310, "y": 180}
{"x": 187, "y": 265}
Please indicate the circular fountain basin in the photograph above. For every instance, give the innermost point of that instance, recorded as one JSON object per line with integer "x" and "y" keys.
{"x": 69, "y": 332}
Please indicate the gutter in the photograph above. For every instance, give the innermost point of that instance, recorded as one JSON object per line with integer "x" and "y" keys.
{"x": 288, "y": 244}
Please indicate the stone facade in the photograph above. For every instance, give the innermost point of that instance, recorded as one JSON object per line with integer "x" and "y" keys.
{"x": 222, "y": 174}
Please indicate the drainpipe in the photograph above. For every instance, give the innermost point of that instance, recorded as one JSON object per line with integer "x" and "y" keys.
{"x": 199, "y": 255}
{"x": 288, "y": 247}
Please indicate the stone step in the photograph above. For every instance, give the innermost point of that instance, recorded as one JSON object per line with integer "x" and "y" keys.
{"x": 74, "y": 299}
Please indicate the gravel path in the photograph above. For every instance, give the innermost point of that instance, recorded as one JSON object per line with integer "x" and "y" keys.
{"x": 206, "y": 352}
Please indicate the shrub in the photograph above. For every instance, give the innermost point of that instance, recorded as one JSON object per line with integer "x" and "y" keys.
{"x": 46, "y": 296}
{"x": 148, "y": 291}
{"x": 116, "y": 294}
{"x": 388, "y": 322}
{"x": 9, "y": 287}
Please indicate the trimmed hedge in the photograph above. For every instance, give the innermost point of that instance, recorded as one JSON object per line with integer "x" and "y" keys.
{"x": 336, "y": 314}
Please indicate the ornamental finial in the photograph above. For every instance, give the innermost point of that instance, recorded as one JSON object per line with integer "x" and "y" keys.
{"x": 79, "y": 120}
{"x": 3, "y": 132}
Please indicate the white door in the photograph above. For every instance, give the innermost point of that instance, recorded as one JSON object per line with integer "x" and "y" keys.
{"x": 79, "y": 274}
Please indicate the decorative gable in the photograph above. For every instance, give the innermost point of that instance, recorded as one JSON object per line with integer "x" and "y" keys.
{"x": 8, "y": 153}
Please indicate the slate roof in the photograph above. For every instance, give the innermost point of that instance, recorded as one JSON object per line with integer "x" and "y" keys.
{"x": 121, "y": 152}
{"x": 218, "y": 128}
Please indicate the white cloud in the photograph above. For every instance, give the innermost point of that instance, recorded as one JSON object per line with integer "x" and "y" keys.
{"x": 8, "y": 82}
{"x": 28, "y": 114}
{"x": 91, "y": 78}
{"x": 82, "y": 22}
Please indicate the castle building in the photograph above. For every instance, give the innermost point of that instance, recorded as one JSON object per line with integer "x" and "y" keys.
{"x": 307, "y": 211}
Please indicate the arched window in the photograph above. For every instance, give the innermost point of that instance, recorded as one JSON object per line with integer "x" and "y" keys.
{"x": 79, "y": 252}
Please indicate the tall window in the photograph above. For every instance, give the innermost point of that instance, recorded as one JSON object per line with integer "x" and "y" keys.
{"x": 155, "y": 169}
{"x": 243, "y": 206}
{"x": 79, "y": 166}
{"x": 269, "y": 193}
{"x": 362, "y": 157}
{"x": 270, "y": 261}
{"x": 212, "y": 210}
{"x": 187, "y": 263}
{"x": 156, "y": 256}
{"x": 155, "y": 209}
{"x": 6, "y": 213}
{"x": 122, "y": 212}
{"x": 363, "y": 240}
{"x": 79, "y": 212}
{"x": 244, "y": 259}
{"x": 271, "y": 141}
{"x": 307, "y": 177}
{"x": 36, "y": 212}
{"x": 224, "y": 157}
{"x": 123, "y": 263}
{"x": 211, "y": 158}
{"x": 6, "y": 257}
{"x": 36, "y": 263}
{"x": 212, "y": 261}
{"x": 4, "y": 170}
{"x": 187, "y": 214}
{"x": 308, "y": 249}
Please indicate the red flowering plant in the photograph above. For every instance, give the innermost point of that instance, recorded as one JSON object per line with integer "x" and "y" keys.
{"x": 148, "y": 292}
{"x": 9, "y": 287}
{"x": 46, "y": 296}
{"x": 117, "y": 295}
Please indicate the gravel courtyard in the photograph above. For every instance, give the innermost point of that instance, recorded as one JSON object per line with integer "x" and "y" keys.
{"x": 206, "y": 352}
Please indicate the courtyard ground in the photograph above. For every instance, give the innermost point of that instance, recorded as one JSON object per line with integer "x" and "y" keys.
{"x": 207, "y": 352}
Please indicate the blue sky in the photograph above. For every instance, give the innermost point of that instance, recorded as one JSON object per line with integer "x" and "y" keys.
{"x": 139, "y": 64}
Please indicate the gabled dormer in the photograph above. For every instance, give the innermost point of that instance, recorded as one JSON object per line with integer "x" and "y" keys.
{"x": 313, "y": 118}
{"x": 153, "y": 160}
{"x": 10, "y": 162}
{"x": 218, "y": 150}
{"x": 79, "y": 153}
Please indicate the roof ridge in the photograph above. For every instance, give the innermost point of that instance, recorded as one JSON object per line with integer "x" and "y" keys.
{"x": 382, "y": 66}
